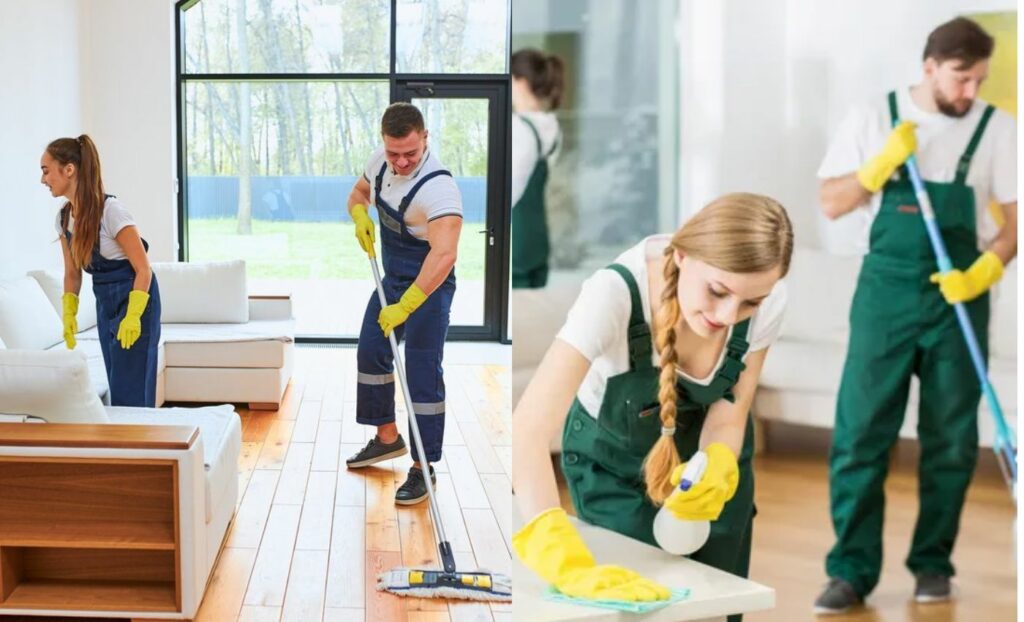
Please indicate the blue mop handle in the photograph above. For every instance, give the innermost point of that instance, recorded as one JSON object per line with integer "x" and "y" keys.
{"x": 1003, "y": 436}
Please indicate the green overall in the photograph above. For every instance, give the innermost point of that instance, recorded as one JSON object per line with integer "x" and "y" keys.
{"x": 900, "y": 326}
{"x": 530, "y": 244}
{"x": 602, "y": 457}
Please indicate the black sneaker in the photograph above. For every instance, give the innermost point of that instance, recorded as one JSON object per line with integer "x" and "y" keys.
{"x": 932, "y": 588}
{"x": 838, "y": 597}
{"x": 414, "y": 489}
{"x": 376, "y": 451}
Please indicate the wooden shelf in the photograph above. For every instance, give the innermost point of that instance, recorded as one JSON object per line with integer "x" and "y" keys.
{"x": 89, "y": 535}
{"x": 92, "y": 595}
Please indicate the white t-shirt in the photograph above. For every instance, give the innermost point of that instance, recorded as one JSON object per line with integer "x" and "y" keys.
{"x": 438, "y": 197}
{"x": 524, "y": 147}
{"x": 941, "y": 140}
{"x": 598, "y": 322}
{"x": 115, "y": 217}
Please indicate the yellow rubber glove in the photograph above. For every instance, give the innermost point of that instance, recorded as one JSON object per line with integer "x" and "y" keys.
{"x": 394, "y": 315}
{"x": 70, "y": 301}
{"x": 957, "y": 286}
{"x": 364, "y": 229}
{"x": 898, "y": 147}
{"x": 131, "y": 326}
{"x": 705, "y": 499}
{"x": 551, "y": 547}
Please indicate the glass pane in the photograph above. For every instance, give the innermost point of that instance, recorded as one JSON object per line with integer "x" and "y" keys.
{"x": 614, "y": 117}
{"x": 283, "y": 207}
{"x": 458, "y": 135}
{"x": 452, "y": 36}
{"x": 288, "y": 36}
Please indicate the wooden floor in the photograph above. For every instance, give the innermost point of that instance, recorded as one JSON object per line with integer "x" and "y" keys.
{"x": 793, "y": 532}
{"x": 310, "y": 536}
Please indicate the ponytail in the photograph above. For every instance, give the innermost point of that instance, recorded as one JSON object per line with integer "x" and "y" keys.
{"x": 545, "y": 73}
{"x": 87, "y": 207}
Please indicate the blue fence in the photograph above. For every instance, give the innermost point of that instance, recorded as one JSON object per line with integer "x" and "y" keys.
{"x": 303, "y": 199}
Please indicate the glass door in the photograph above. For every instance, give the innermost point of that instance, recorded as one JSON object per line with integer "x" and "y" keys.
{"x": 467, "y": 125}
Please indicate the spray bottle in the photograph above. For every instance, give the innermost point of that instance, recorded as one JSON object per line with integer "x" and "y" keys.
{"x": 682, "y": 537}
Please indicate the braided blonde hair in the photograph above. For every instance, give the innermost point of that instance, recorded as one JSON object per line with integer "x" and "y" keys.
{"x": 741, "y": 233}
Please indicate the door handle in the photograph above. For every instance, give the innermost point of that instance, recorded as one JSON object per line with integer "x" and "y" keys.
{"x": 425, "y": 89}
{"x": 490, "y": 236}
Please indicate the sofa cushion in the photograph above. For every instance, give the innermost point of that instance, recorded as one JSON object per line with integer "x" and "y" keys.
{"x": 27, "y": 319}
{"x": 219, "y": 428}
{"x": 53, "y": 386}
{"x": 803, "y": 367}
{"x": 253, "y": 330}
{"x": 209, "y": 292}
{"x": 820, "y": 287}
{"x": 93, "y": 336}
{"x": 259, "y": 354}
{"x": 228, "y": 384}
{"x": 537, "y": 316}
{"x": 1003, "y": 328}
{"x": 52, "y": 283}
{"x": 94, "y": 357}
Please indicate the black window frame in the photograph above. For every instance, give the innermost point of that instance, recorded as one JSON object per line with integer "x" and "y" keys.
{"x": 499, "y": 168}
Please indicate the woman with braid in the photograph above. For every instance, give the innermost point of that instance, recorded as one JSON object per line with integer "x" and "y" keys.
{"x": 635, "y": 398}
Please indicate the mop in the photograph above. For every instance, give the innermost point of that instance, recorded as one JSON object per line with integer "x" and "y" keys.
{"x": 433, "y": 583}
{"x": 1005, "y": 446}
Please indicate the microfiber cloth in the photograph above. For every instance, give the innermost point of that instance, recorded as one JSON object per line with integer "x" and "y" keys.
{"x": 619, "y": 605}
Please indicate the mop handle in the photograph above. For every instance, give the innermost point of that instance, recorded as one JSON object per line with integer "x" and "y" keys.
{"x": 1003, "y": 436}
{"x": 400, "y": 371}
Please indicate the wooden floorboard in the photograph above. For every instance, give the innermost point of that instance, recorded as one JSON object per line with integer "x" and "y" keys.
{"x": 310, "y": 536}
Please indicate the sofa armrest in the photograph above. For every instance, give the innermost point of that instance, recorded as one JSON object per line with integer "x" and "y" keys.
{"x": 270, "y": 307}
{"x": 148, "y": 513}
{"x": 105, "y": 435}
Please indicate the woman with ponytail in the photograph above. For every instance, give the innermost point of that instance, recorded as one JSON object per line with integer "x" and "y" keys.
{"x": 537, "y": 84}
{"x": 658, "y": 358}
{"x": 98, "y": 235}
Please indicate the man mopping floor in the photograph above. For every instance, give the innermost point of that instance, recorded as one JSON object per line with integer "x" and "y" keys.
{"x": 420, "y": 211}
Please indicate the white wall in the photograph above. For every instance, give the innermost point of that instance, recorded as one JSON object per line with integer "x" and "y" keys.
{"x": 128, "y": 94}
{"x": 763, "y": 85}
{"x": 85, "y": 66}
{"x": 39, "y": 101}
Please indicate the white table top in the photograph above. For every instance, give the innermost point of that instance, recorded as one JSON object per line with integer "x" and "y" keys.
{"x": 713, "y": 593}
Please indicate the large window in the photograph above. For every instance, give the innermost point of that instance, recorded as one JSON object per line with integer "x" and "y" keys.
{"x": 615, "y": 178}
{"x": 280, "y": 106}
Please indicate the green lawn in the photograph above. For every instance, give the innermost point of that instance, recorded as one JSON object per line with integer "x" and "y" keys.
{"x": 307, "y": 250}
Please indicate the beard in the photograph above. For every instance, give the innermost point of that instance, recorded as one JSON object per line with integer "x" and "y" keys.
{"x": 949, "y": 108}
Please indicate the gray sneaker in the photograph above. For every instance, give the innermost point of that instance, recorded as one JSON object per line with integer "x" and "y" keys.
{"x": 376, "y": 451}
{"x": 838, "y": 597}
{"x": 932, "y": 588}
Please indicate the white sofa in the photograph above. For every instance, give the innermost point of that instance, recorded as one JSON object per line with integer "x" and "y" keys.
{"x": 53, "y": 387}
{"x": 800, "y": 380}
{"x": 217, "y": 343}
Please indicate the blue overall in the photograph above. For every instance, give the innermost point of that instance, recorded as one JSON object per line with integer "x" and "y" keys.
{"x": 131, "y": 373}
{"x": 403, "y": 255}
